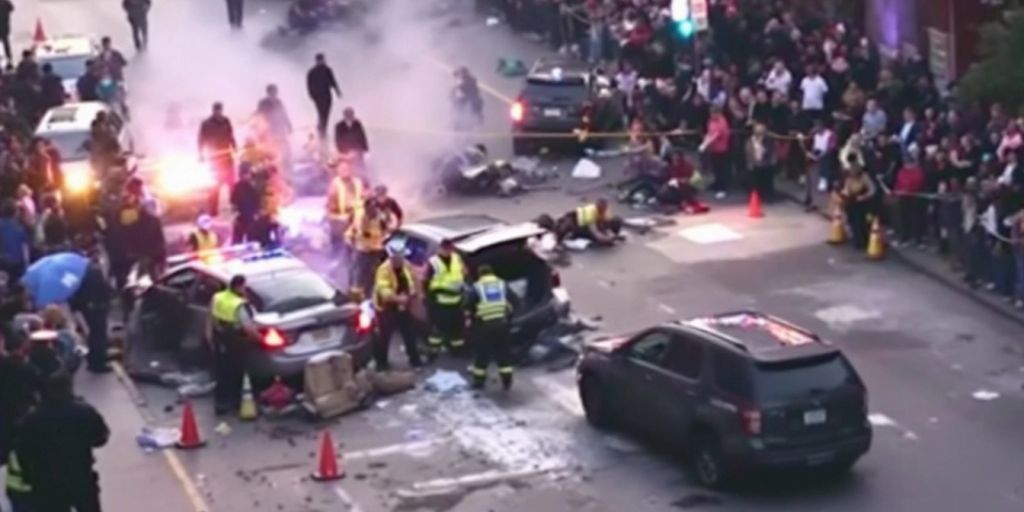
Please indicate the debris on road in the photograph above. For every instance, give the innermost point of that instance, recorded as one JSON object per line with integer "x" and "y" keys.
{"x": 492, "y": 21}
{"x": 577, "y": 244}
{"x": 196, "y": 389}
{"x": 223, "y": 428}
{"x": 445, "y": 382}
{"x": 586, "y": 169}
{"x": 392, "y": 382}
{"x": 985, "y": 395}
{"x": 154, "y": 438}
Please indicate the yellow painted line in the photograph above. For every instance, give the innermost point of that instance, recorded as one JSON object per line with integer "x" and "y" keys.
{"x": 173, "y": 462}
{"x": 485, "y": 87}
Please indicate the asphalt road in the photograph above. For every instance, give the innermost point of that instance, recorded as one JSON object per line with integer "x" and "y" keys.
{"x": 944, "y": 375}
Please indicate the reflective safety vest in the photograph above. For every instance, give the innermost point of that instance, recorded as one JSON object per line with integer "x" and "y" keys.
{"x": 15, "y": 481}
{"x": 492, "y": 304}
{"x": 448, "y": 279}
{"x": 205, "y": 240}
{"x": 385, "y": 284}
{"x": 367, "y": 234}
{"x": 349, "y": 195}
{"x": 587, "y": 216}
{"x": 224, "y": 309}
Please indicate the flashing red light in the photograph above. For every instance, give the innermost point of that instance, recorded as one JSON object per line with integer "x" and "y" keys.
{"x": 751, "y": 421}
{"x": 516, "y": 111}
{"x": 556, "y": 279}
{"x": 273, "y": 339}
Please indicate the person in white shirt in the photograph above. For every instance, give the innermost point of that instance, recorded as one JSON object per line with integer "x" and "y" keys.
{"x": 779, "y": 79}
{"x": 814, "y": 88}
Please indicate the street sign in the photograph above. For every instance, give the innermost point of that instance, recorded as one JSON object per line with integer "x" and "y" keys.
{"x": 699, "y": 13}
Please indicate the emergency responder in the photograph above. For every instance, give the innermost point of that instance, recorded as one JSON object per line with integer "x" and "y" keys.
{"x": 345, "y": 197}
{"x": 489, "y": 304}
{"x": 369, "y": 229}
{"x": 19, "y": 492}
{"x": 203, "y": 238}
{"x": 217, "y": 147}
{"x": 393, "y": 292}
{"x": 445, "y": 282}
{"x": 593, "y": 222}
{"x": 229, "y": 331}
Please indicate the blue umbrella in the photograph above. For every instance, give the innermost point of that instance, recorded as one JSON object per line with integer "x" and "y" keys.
{"x": 55, "y": 278}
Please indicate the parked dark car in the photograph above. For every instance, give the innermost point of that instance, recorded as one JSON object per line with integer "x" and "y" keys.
{"x": 736, "y": 393}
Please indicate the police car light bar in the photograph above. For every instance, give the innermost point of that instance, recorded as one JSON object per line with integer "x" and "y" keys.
{"x": 222, "y": 253}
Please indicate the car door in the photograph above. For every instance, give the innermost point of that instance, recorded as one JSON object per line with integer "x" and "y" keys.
{"x": 679, "y": 378}
{"x": 641, "y": 377}
{"x": 198, "y": 311}
{"x": 165, "y": 307}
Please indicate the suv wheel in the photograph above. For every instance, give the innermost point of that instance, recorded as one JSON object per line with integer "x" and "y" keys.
{"x": 595, "y": 402}
{"x": 707, "y": 464}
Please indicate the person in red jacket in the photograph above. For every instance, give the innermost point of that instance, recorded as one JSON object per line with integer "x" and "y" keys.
{"x": 679, "y": 189}
{"x": 912, "y": 208}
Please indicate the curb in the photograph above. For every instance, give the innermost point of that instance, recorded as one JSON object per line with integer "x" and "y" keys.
{"x": 991, "y": 303}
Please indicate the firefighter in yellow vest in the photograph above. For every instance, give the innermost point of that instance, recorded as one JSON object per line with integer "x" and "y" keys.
{"x": 345, "y": 197}
{"x": 394, "y": 290}
{"x": 230, "y": 330}
{"x": 445, "y": 285}
{"x": 489, "y": 303}
{"x": 366, "y": 235}
{"x": 19, "y": 492}
{"x": 593, "y": 222}
{"x": 203, "y": 238}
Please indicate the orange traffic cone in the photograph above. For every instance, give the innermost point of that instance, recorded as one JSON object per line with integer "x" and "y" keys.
{"x": 40, "y": 35}
{"x": 754, "y": 209}
{"x": 327, "y": 468}
{"x": 876, "y": 242}
{"x": 190, "y": 439}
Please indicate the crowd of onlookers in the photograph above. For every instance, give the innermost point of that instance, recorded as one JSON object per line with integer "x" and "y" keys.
{"x": 775, "y": 90}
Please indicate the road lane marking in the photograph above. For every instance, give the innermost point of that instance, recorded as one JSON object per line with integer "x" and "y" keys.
{"x": 486, "y": 477}
{"x": 880, "y": 420}
{"x": 346, "y": 498}
{"x": 173, "y": 462}
{"x": 666, "y": 308}
{"x": 411, "y": 448}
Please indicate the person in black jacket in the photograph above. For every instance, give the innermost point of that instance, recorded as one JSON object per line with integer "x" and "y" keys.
{"x": 18, "y": 390}
{"x": 246, "y": 200}
{"x": 350, "y": 137}
{"x": 52, "y": 93}
{"x": 88, "y": 84}
{"x": 320, "y": 83}
{"x": 137, "y": 12}
{"x": 217, "y": 146}
{"x": 6, "y": 8}
{"x": 54, "y": 444}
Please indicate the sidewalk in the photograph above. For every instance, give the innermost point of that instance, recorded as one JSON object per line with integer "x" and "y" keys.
{"x": 927, "y": 262}
{"x": 130, "y": 479}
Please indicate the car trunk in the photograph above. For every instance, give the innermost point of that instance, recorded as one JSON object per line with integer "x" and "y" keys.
{"x": 809, "y": 401}
{"x": 527, "y": 275}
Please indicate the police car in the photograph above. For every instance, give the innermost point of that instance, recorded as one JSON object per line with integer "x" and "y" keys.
{"x": 552, "y": 100}
{"x": 67, "y": 55}
{"x": 68, "y": 128}
{"x": 299, "y": 313}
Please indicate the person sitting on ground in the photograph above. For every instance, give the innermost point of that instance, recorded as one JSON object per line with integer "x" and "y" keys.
{"x": 680, "y": 189}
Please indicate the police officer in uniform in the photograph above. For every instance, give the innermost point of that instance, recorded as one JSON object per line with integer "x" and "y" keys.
{"x": 393, "y": 291}
{"x": 203, "y": 238}
{"x": 231, "y": 328}
{"x": 490, "y": 305}
{"x": 345, "y": 197}
{"x": 445, "y": 283}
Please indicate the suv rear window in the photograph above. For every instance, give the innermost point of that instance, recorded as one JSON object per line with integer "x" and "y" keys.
{"x": 544, "y": 89}
{"x": 291, "y": 290}
{"x": 798, "y": 379}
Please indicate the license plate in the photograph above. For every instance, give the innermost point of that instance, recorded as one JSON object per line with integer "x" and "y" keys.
{"x": 552, "y": 112}
{"x": 819, "y": 458}
{"x": 322, "y": 335}
{"x": 815, "y": 417}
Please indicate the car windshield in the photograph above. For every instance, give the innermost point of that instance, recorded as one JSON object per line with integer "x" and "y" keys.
{"x": 292, "y": 290}
{"x": 802, "y": 378}
{"x": 71, "y": 145}
{"x": 67, "y": 68}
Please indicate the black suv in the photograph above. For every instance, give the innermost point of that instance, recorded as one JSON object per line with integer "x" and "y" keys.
{"x": 553, "y": 99}
{"x": 736, "y": 392}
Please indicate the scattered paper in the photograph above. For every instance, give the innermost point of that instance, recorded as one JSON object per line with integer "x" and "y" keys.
{"x": 492, "y": 21}
{"x": 444, "y": 381}
{"x": 985, "y": 395}
{"x": 223, "y": 428}
{"x": 157, "y": 438}
{"x": 196, "y": 389}
{"x": 586, "y": 169}
{"x": 640, "y": 222}
{"x": 577, "y": 244}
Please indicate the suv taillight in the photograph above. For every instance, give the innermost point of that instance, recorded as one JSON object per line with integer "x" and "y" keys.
{"x": 751, "y": 421}
{"x": 556, "y": 279}
{"x": 273, "y": 339}
{"x": 516, "y": 111}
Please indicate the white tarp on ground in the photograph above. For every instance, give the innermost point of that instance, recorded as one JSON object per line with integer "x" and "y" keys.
{"x": 586, "y": 169}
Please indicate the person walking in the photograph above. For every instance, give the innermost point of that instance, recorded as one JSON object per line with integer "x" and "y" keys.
{"x": 350, "y": 138}
{"x": 236, "y": 10}
{"x": 445, "y": 281}
{"x": 138, "y": 18}
{"x": 6, "y": 8}
{"x": 93, "y": 302}
{"x": 217, "y": 147}
{"x": 279, "y": 126}
{"x": 54, "y": 447}
{"x": 490, "y": 306}
{"x": 230, "y": 329}
{"x": 393, "y": 292}
{"x": 320, "y": 83}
